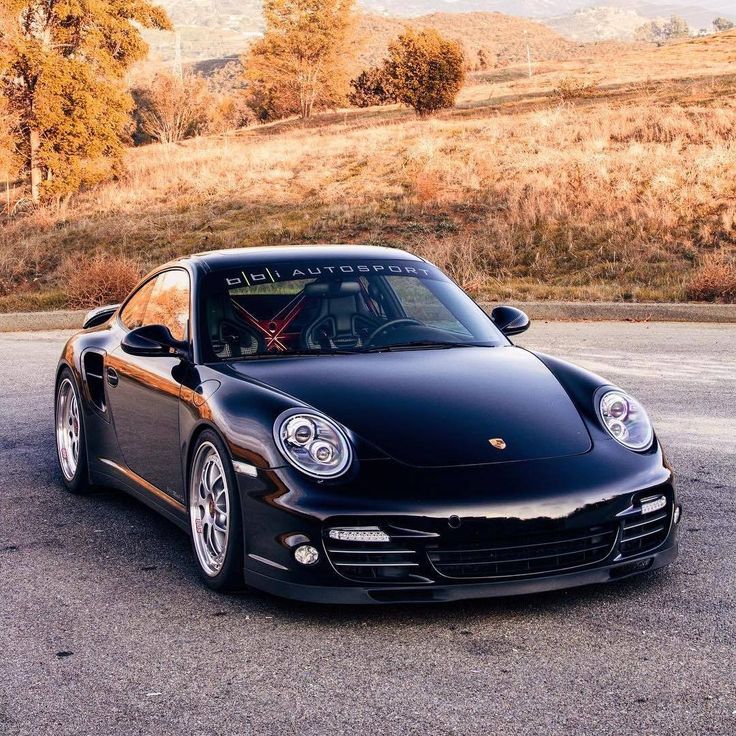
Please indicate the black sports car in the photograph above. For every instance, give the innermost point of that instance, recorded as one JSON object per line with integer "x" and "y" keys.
{"x": 344, "y": 424}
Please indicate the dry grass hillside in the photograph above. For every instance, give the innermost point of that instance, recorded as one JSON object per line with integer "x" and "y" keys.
{"x": 211, "y": 29}
{"x": 590, "y": 180}
{"x": 503, "y": 38}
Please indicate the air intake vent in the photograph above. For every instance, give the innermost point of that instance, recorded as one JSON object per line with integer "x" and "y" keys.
{"x": 645, "y": 533}
{"x": 379, "y": 563}
{"x": 93, "y": 372}
{"x": 526, "y": 557}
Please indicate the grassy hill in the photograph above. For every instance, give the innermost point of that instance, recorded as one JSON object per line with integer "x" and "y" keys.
{"x": 598, "y": 23}
{"x": 502, "y": 37}
{"x": 592, "y": 179}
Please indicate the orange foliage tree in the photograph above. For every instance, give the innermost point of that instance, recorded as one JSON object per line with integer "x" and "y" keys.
{"x": 61, "y": 68}
{"x": 300, "y": 63}
{"x": 172, "y": 108}
{"x": 426, "y": 71}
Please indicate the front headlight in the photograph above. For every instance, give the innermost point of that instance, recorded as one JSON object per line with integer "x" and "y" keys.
{"x": 625, "y": 419}
{"x": 313, "y": 444}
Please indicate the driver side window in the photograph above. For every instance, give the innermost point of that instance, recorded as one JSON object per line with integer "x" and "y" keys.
{"x": 169, "y": 303}
{"x": 164, "y": 300}
{"x": 134, "y": 311}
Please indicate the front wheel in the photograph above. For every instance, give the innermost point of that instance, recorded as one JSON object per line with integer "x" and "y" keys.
{"x": 214, "y": 515}
{"x": 71, "y": 447}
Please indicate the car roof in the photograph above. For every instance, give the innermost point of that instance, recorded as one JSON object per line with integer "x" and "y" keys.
{"x": 238, "y": 257}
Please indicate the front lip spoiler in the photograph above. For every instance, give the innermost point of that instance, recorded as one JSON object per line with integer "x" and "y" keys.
{"x": 377, "y": 594}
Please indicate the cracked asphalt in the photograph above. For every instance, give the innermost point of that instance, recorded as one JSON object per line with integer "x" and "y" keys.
{"x": 105, "y": 629}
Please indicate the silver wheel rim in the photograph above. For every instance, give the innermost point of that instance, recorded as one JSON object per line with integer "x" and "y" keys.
{"x": 209, "y": 508}
{"x": 68, "y": 429}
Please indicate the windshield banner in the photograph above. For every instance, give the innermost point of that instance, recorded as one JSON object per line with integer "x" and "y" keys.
{"x": 285, "y": 272}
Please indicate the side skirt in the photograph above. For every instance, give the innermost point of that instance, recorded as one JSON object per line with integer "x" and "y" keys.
{"x": 128, "y": 481}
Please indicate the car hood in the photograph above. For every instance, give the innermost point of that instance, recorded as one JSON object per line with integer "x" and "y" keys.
{"x": 439, "y": 407}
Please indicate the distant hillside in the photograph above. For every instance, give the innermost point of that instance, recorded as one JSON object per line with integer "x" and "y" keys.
{"x": 698, "y": 13}
{"x": 601, "y": 23}
{"x": 503, "y": 38}
{"x": 701, "y": 54}
{"x": 209, "y": 28}
{"x": 220, "y": 28}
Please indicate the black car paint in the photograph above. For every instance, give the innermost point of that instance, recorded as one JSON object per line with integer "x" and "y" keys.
{"x": 438, "y": 407}
{"x": 401, "y": 414}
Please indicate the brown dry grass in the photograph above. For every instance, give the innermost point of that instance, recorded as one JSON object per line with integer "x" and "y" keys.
{"x": 101, "y": 279}
{"x": 517, "y": 194}
{"x": 714, "y": 280}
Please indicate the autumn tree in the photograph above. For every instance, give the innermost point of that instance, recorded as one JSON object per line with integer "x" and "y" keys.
{"x": 299, "y": 65}
{"x": 675, "y": 27}
{"x": 426, "y": 70}
{"x": 62, "y": 64}
{"x": 371, "y": 87}
{"x": 722, "y": 24}
{"x": 230, "y": 110}
{"x": 172, "y": 108}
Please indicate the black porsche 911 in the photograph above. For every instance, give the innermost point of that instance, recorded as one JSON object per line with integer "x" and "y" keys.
{"x": 344, "y": 424}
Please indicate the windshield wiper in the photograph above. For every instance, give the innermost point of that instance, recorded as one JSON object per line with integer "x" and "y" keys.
{"x": 438, "y": 344}
{"x": 414, "y": 344}
{"x": 319, "y": 351}
{"x": 292, "y": 353}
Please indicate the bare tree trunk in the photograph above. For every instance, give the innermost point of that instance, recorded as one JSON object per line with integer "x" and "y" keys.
{"x": 35, "y": 143}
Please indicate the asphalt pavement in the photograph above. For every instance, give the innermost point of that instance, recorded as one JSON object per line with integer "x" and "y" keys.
{"x": 105, "y": 628}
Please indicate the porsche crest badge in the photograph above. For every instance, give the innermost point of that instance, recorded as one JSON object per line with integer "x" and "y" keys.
{"x": 498, "y": 442}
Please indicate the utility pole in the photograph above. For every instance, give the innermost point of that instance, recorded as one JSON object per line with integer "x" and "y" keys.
{"x": 528, "y": 55}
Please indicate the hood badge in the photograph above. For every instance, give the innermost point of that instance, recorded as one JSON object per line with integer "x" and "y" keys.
{"x": 498, "y": 442}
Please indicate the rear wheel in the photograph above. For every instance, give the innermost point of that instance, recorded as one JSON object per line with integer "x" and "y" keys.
{"x": 214, "y": 514}
{"x": 71, "y": 448}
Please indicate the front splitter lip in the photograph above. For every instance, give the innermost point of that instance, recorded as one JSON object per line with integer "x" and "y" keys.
{"x": 382, "y": 594}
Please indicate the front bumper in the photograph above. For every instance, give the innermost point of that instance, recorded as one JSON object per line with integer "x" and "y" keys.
{"x": 580, "y": 526}
{"x": 373, "y": 594}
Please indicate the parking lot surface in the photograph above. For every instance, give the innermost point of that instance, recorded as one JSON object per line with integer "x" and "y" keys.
{"x": 105, "y": 628}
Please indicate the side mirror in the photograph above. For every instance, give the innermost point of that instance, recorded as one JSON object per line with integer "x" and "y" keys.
{"x": 154, "y": 341}
{"x": 510, "y": 320}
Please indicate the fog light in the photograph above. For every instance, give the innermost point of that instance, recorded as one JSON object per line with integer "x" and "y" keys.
{"x": 359, "y": 534}
{"x": 650, "y": 505}
{"x": 306, "y": 555}
{"x": 678, "y": 513}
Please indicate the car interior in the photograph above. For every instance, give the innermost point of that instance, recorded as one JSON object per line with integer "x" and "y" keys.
{"x": 324, "y": 315}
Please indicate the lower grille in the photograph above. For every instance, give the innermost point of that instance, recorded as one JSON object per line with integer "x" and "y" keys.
{"x": 383, "y": 563}
{"x": 644, "y": 533}
{"x": 538, "y": 554}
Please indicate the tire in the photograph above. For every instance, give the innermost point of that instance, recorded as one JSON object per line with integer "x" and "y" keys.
{"x": 69, "y": 431}
{"x": 215, "y": 518}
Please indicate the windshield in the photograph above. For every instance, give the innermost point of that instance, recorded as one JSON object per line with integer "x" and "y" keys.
{"x": 337, "y": 307}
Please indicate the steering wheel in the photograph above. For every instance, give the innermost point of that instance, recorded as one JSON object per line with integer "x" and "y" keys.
{"x": 393, "y": 324}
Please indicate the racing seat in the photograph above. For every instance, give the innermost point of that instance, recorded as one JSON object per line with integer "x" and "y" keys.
{"x": 342, "y": 319}
{"x": 229, "y": 336}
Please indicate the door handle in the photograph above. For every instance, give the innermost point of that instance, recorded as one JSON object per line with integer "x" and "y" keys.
{"x": 112, "y": 376}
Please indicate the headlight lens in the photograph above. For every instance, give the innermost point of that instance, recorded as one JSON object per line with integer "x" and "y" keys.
{"x": 625, "y": 419}
{"x": 313, "y": 444}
